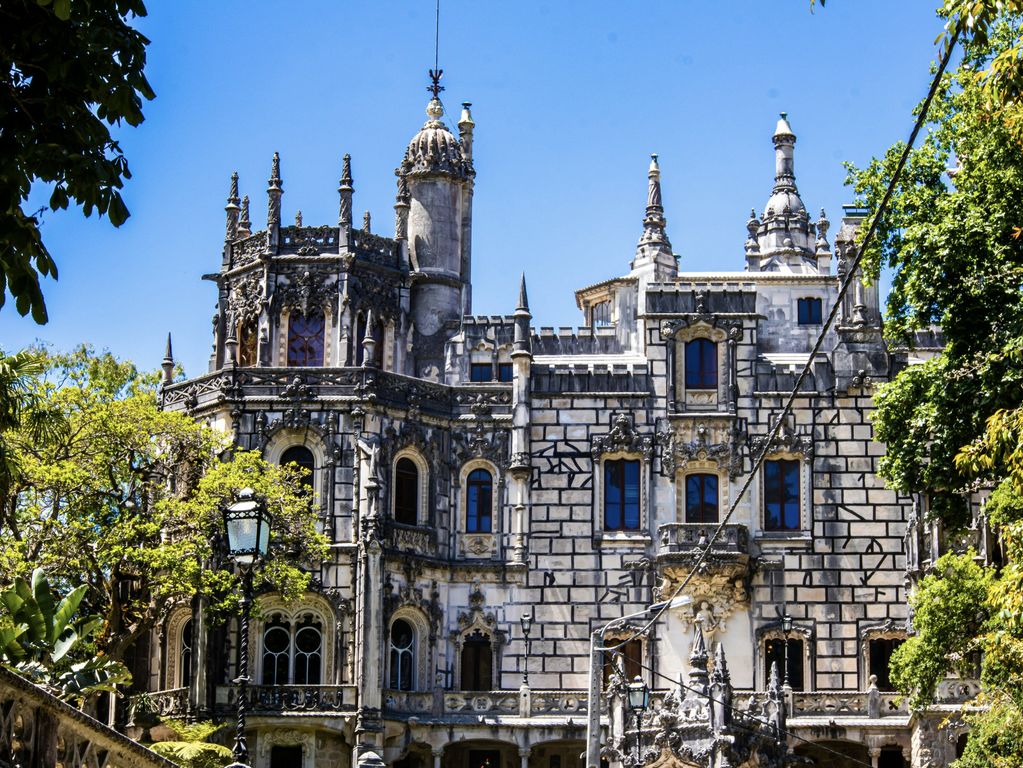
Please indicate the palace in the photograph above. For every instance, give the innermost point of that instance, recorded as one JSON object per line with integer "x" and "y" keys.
{"x": 495, "y": 493}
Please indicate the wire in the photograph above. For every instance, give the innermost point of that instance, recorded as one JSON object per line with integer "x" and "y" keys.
{"x": 843, "y": 290}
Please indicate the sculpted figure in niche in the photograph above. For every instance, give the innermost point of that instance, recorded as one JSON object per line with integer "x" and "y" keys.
{"x": 705, "y": 617}
{"x": 369, "y": 445}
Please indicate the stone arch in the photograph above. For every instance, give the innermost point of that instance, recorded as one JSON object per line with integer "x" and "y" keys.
{"x": 774, "y": 631}
{"x": 479, "y": 544}
{"x": 420, "y": 624}
{"x": 310, "y": 606}
{"x": 281, "y": 438}
{"x": 173, "y": 628}
{"x": 422, "y": 465}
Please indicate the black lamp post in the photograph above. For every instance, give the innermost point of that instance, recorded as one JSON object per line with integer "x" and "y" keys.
{"x": 247, "y": 524}
{"x": 526, "y": 619}
{"x": 639, "y": 700}
{"x": 786, "y": 628}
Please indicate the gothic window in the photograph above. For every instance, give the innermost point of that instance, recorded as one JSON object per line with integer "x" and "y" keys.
{"x": 276, "y": 652}
{"x": 247, "y": 336}
{"x": 477, "y": 663}
{"x": 402, "y": 656}
{"x": 479, "y": 502}
{"x": 628, "y": 659}
{"x": 505, "y": 372}
{"x": 701, "y": 364}
{"x": 480, "y": 372}
{"x": 880, "y": 654}
{"x": 600, "y": 314}
{"x": 774, "y": 654}
{"x": 702, "y": 498}
{"x": 308, "y": 654}
{"x": 781, "y": 495}
{"x": 406, "y": 491}
{"x": 185, "y": 654}
{"x": 305, "y": 339}
{"x": 809, "y": 311}
{"x": 292, "y": 653}
{"x": 302, "y": 457}
{"x": 621, "y": 495}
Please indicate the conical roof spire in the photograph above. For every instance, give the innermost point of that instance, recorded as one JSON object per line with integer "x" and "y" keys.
{"x": 168, "y": 361}
{"x": 273, "y": 207}
{"x": 244, "y": 225}
{"x": 523, "y": 298}
{"x": 654, "y": 224}
{"x": 784, "y": 144}
{"x": 232, "y": 208}
{"x": 521, "y": 343}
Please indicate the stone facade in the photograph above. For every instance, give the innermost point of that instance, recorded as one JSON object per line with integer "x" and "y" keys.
{"x": 470, "y": 470}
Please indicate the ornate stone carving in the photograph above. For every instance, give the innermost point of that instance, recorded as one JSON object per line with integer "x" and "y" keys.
{"x": 305, "y": 290}
{"x": 715, "y": 596}
{"x": 623, "y": 438}
{"x": 786, "y": 441}
{"x": 677, "y": 452}
{"x": 246, "y": 300}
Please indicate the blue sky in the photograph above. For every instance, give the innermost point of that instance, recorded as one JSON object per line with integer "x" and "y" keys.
{"x": 569, "y": 99}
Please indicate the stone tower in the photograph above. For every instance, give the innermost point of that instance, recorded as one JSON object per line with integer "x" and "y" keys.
{"x": 437, "y": 171}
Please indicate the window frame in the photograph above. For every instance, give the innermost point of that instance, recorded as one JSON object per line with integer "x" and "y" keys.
{"x": 471, "y": 639}
{"x": 422, "y": 486}
{"x": 809, "y": 311}
{"x": 703, "y": 476}
{"x": 292, "y": 333}
{"x": 412, "y": 650}
{"x": 697, "y": 378}
{"x": 626, "y": 463}
{"x": 797, "y": 464}
{"x": 469, "y": 485}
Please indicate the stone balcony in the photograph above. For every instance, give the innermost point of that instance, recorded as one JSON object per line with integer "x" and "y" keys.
{"x": 473, "y": 705}
{"x": 262, "y": 700}
{"x": 679, "y": 541}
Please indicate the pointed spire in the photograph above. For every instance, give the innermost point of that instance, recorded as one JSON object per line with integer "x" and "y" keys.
{"x": 465, "y": 129}
{"x": 521, "y": 343}
{"x": 720, "y": 674}
{"x": 298, "y": 218}
{"x": 784, "y": 150}
{"x": 698, "y": 661}
{"x": 244, "y": 225}
{"x": 273, "y": 209}
{"x": 366, "y": 220}
{"x": 654, "y": 224}
{"x": 369, "y": 343}
{"x": 345, "y": 190}
{"x": 168, "y": 360}
{"x": 232, "y": 208}
{"x": 523, "y": 298}
{"x": 401, "y": 209}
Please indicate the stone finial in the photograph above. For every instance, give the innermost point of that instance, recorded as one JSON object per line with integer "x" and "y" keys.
{"x": 465, "y": 129}
{"x": 773, "y": 686}
{"x": 244, "y": 225}
{"x": 345, "y": 191}
{"x": 823, "y": 225}
{"x": 298, "y": 218}
{"x": 273, "y": 193}
{"x": 523, "y": 298}
{"x": 168, "y": 358}
{"x": 369, "y": 343}
{"x": 698, "y": 661}
{"x": 231, "y": 342}
{"x": 401, "y": 209}
{"x": 720, "y": 675}
{"x": 784, "y": 167}
{"x": 654, "y": 224}
{"x": 232, "y": 208}
{"x": 521, "y": 343}
{"x": 366, "y": 220}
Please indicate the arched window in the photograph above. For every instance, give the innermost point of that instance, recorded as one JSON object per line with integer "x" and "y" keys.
{"x": 702, "y": 498}
{"x": 402, "y": 656}
{"x": 406, "y": 491}
{"x": 305, "y": 339}
{"x": 479, "y": 502}
{"x": 308, "y": 654}
{"x": 185, "y": 654}
{"x": 701, "y": 364}
{"x": 600, "y": 314}
{"x": 621, "y": 495}
{"x": 247, "y": 335}
{"x": 302, "y": 457}
{"x": 292, "y": 653}
{"x": 276, "y": 653}
{"x": 477, "y": 663}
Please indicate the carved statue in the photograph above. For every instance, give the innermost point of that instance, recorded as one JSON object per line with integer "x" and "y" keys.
{"x": 369, "y": 445}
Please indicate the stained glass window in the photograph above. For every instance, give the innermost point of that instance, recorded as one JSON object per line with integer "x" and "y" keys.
{"x": 305, "y": 339}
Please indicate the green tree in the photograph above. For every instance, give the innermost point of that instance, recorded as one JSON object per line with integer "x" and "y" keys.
{"x": 951, "y": 238}
{"x": 126, "y": 500}
{"x": 68, "y": 72}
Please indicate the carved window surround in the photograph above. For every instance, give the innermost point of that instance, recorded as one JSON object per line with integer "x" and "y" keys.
{"x": 281, "y": 347}
{"x": 477, "y": 619}
{"x": 623, "y": 441}
{"x": 422, "y": 645}
{"x": 774, "y": 631}
{"x": 310, "y": 606}
{"x": 423, "y": 498}
{"x": 174, "y": 626}
{"x": 726, "y": 333}
{"x": 887, "y": 630}
{"x": 479, "y": 545}
{"x": 290, "y": 737}
{"x": 787, "y": 445}
{"x": 284, "y": 437}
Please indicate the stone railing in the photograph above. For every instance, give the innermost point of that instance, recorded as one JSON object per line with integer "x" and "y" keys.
{"x": 690, "y": 538}
{"x": 38, "y": 729}
{"x": 559, "y": 703}
{"x": 170, "y": 703}
{"x": 291, "y": 698}
{"x": 374, "y": 248}
{"x": 834, "y": 704}
{"x": 408, "y": 702}
{"x": 481, "y": 703}
{"x": 411, "y": 538}
{"x": 308, "y": 240}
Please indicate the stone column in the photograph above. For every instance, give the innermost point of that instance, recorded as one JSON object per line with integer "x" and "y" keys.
{"x": 524, "y": 753}
{"x": 438, "y": 753}
{"x": 875, "y": 755}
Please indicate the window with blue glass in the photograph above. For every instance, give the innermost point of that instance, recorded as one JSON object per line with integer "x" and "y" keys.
{"x": 702, "y": 498}
{"x": 621, "y": 495}
{"x": 809, "y": 311}
{"x": 781, "y": 495}
{"x": 505, "y": 372}
{"x": 701, "y": 364}
{"x": 481, "y": 372}
{"x": 479, "y": 502}
{"x": 305, "y": 339}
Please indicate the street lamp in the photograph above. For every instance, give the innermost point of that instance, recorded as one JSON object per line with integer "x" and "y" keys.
{"x": 786, "y": 627}
{"x": 639, "y": 700}
{"x": 526, "y": 619}
{"x": 247, "y": 524}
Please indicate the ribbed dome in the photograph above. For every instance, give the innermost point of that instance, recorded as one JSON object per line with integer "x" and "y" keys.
{"x": 781, "y": 200}
{"x": 434, "y": 149}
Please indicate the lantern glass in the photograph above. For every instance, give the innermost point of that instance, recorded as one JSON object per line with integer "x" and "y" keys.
{"x": 527, "y": 622}
{"x": 639, "y": 694}
{"x": 786, "y": 623}
{"x": 248, "y": 528}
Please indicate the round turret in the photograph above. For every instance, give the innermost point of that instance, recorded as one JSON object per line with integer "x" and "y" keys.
{"x": 434, "y": 150}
